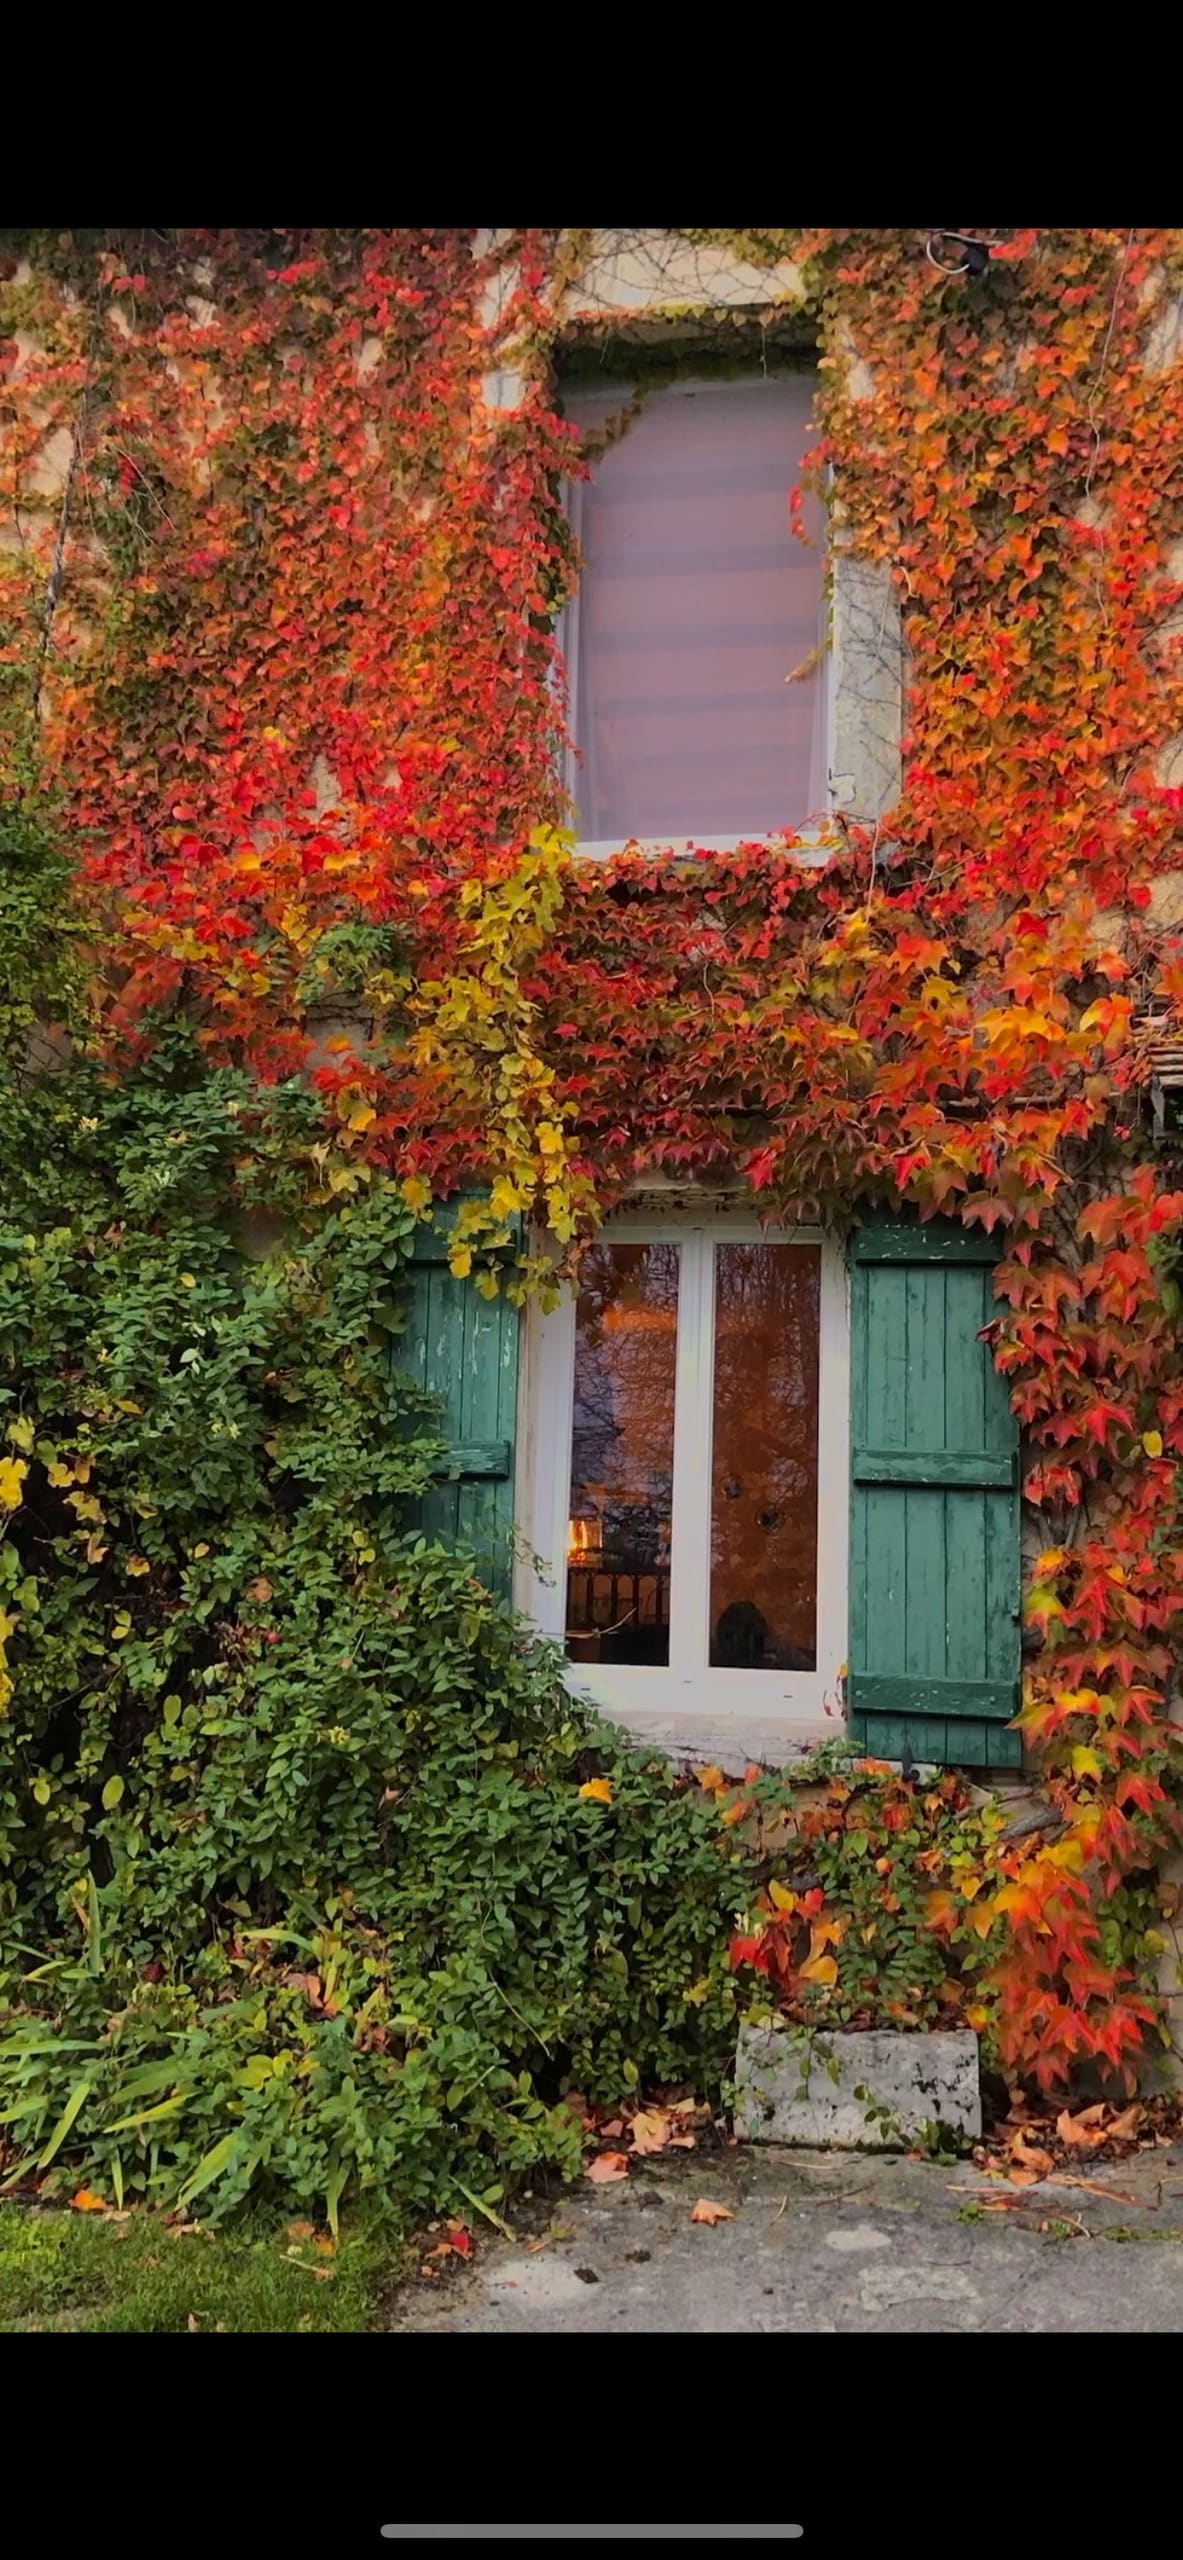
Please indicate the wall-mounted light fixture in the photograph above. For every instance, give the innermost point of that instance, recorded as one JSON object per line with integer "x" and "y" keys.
{"x": 955, "y": 253}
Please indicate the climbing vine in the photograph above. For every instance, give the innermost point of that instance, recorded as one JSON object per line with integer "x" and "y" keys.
{"x": 278, "y": 594}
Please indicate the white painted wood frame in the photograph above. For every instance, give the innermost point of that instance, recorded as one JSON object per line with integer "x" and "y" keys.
{"x": 689, "y": 1706}
{"x": 817, "y": 837}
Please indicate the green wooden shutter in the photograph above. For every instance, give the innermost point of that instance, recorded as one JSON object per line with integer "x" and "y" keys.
{"x": 465, "y": 1349}
{"x": 934, "y": 1613}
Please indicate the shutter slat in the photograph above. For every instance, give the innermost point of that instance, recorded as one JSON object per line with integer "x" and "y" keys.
{"x": 982, "y": 1698}
{"x": 487, "y": 1459}
{"x": 941, "y": 1240}
{"x": 934, "y": 1466}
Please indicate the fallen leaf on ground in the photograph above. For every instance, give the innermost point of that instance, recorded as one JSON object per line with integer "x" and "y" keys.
{"x": 650, "y": 2130}
{"x": 1082, "y": 2132}
{"x": 460, "y": 2240}
{"x": 597, "y": 1791}
{"x": 1028, "y": 2155}
{"x": 301, "y": 2230}
{"x": 610, "y": 2131}
{"x": 606, "y": 2166}
{"x": 683, "y": 2142}
{"x": 1125, "y": 2125}
{"x": 705, "y": 2211}
{"x": 86, "y": 2201}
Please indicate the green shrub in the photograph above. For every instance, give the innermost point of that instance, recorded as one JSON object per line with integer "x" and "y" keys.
{"x": 299, "y": 1891}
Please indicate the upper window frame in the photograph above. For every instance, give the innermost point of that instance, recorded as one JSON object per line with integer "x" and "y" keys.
{"x": 814, "y": 841}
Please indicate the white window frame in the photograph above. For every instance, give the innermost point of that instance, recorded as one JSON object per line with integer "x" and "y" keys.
{"x": 688, "y": 1705}
{"x": 813, "y": 842}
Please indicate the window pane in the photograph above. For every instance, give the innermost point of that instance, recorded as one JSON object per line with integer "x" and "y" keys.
{"x": 697, "y": 603}
{"x": 622, "y": 1455}
{"x": 764, "y": 1457}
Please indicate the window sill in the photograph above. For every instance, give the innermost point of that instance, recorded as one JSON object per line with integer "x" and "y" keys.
{"x": 813, "y": 846}
{"x": 732, "y": 1741}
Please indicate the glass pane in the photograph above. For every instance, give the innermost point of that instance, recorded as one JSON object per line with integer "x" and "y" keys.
{"x": 622, "y": 1455}
{"x": 697, "y": 604}
{"x": 764, "y": 1457}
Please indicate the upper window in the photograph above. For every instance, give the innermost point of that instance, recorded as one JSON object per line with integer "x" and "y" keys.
{"x": 697, "y": 608}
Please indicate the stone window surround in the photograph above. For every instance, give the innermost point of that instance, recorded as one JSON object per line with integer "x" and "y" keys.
{"x": 652, "y": 285}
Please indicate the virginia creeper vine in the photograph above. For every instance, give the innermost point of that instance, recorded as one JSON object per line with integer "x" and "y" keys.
{"x": 278, "y": 594}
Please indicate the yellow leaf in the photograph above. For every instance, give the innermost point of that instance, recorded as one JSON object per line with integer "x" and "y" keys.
{"x": 1152, "y": 1443}
{"x": 416, "y": 1192}
{"x": 711, "y": 1779}
{"x": 60, "y": 1473}
{"x": 597, "y": 1791}
{"x": 822, "y": 1969}
{"x": 1086, "y": 1762}
{"x": 12, "y": 1476}
{"x": 460, "y": 1261}
{"x": 781, "y": 1896}
{"x": 138, "y": 1565}
{"x": 201, "y": 1549}
{"x": 21, "y": 1433}
{"x": 505, "y": 1198}
{"x": 364, "y": 1116}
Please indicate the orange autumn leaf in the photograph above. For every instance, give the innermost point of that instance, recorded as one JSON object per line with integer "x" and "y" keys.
{"x": 705, "y": 2211}
{"x": 86, "y": 2201}
{"x": 1082, "y": 2132}
{"x": 1030, "y": 2156}
{"x": 607, "y": 2167}
{"x": 597, "y": 1791}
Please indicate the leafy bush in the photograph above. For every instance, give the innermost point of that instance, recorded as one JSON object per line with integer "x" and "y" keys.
{"x": 303, "y": 1888}
{"x": 876, "y": 1904}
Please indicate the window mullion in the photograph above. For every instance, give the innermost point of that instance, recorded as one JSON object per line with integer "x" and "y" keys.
{"x": 691, "y": 1523}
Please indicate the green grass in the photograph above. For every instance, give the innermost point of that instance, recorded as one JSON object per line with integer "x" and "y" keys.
{"x": 66, "y": 2270}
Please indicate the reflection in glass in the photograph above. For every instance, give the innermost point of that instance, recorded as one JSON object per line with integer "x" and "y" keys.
{"x": 764, "y": 1457}
{"x": 622, "y": 1455}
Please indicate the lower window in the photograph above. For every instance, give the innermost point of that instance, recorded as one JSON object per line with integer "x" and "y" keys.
{"x": 686, "y": 1436}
